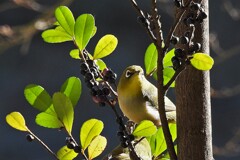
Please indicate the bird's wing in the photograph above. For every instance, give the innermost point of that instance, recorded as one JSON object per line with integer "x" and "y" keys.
{"x": 150, "y": 95}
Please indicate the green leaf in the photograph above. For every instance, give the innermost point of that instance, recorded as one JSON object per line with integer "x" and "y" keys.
{"x": 150, "y": 58}
{"x": 167, "y": 60}
{"x": 167, "y": 75}
{"x": 72, "y": 88}
{"x": 83, "y": 30}
{"x": 157, "y": 141}
{"x": 101, "y": 64}
{"x": 17, "y": 121}
{"x": 94, "y": 31}
{"x": 105, "y": 46}
{"x": 48, "y": 119}
{"x": 66, "y": 154}
{"x": 55, "y": 36}
{"x": 38, "y": 97}
{"x": 144, "y": 129}
{"x": 202, "y": 61}
{"x": 97, "y": 146}
{"x": 89, "y": 130}
{"x": 65, "y": 18}
{"x": 64, "y": 109}
{"x": 75, "y": 54}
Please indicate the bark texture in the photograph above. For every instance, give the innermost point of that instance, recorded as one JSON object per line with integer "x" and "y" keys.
{"x": 193, "y": 104}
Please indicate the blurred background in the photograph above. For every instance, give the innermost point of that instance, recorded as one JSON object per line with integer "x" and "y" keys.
{"x": 26, "y": 59}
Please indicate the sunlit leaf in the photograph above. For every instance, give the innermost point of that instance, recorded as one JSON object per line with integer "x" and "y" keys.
{"x": 101, "y": 64}
{"x": 84, "y": 28}
{"x": 167, "y": 60}
{"x": 75, "y": 54}
{"x": 65, "y": 18}
{"x": 94, "y": 31}
{"x": 17, "y": 121}
{"x": 150, "y": 58}
{"x": 97, "y": 146}
{"x": 157, "y": 141}
{"x": 55, "y": 36}
{"x": 48, "y": 119}
{"x": 202, "y": 61}
{"x": 66, "y": 154}
{"x": 89, "y": 130}
{"x": 105, "y": 46}
{"x": 72, "y": 88}
{"x": 64, "y": 109}
{"x": 144, "y": 129}
{"x": 167, "y": 75}
{"x": 38, "y": 97}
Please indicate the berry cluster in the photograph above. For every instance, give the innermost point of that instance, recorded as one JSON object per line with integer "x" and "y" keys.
{"x": 72, "y": 145}
{"x": 96, "y": 79}
{"x": 195, "y": 15}
{"x": 125, "y": 137}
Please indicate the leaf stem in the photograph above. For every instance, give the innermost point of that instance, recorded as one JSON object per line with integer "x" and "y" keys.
{"x": 43, "y": 144}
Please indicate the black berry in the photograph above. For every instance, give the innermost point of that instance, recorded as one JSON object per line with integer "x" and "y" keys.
{"x": 195, "y": 6}
{"x": 197, "y": 47}
{"x": 88, "y": 76}
{"x": 177, "y": 3}
{"x": 184, "y": 40}
{"x": 176, "y": 63}
{"x": 130, "y": 137}
{"x": 77, "y": 149}
{"x": 71, "y": 145}
{"x": 29, "y": 137}
{"x": 174, "y": 40}
{"x": 106, "y": 91}
{"x": 84, "y": 66}
{"x": 124, "y": 144}
{"x": 179, "y": 53}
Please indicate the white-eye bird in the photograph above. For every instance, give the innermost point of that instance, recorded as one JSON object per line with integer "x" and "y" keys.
{"x": 138, "y": 98}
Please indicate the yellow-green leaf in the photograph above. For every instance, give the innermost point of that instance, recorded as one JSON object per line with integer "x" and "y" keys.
{"x": 83, "y": 30}
{"x": 48, "y": 119}
{"x": 64, "y": 109}
{"x": 202, "y": 61}
{"x": 167, "y": 60}
{"x": 55, "y": 36}
{"x": 38, "y": 97}
{"x": 101, "y": 64}
{"x": 105, "y": 46}
{"x": 97, "y": 146}
{"x": 75, "y": 54}
{"x": 65, "y": 18}
{"x": 66, "y": 154}
{"x": 72, "y": 88}
{"x": 144, "y": 129}
{"x": 150, "y": 58}
{"x": 17, "y": 121}
{"x": 89, "y": 130}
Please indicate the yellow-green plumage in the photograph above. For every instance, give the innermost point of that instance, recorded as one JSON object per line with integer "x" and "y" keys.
{"x": 138, "y": 97}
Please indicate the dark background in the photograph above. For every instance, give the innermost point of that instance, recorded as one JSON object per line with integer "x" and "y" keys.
{"x": 50, "y": 65}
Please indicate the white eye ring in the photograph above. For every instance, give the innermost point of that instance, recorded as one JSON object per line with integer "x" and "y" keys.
{"x": 128, "y": 74}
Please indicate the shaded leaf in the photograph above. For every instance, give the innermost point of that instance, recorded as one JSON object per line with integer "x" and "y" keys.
{"x": 144, "y": 129}
{"x": 72, "y": 88}
{"x": 105, "y": 46}
{"x": 55, "y": 36}
{"x": 167, "y": 75}
{"x": 167, "y": 60}
{"x": 38, "y": 97}
{"x": 89, "y": 130}
{"x": 64, "y": 109}
{"x": 83, "y": 30}
{"x": 65, "y": 18}
{"x": 97, "y": 146}
{"x": 17, "y": 121}
{"x": 202, "y": 61}
{"x": 48, "y": 119}
{"x": 150, "y": 58}
{"x": 65, "y": 153}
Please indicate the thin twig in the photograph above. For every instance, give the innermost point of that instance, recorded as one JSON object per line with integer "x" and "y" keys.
{"x": 43, "y": 144}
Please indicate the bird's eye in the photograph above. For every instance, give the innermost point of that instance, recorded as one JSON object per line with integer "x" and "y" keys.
{"x": 128, "y": 74}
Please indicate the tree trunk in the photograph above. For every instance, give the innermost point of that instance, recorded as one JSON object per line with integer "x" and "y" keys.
{"x": 193, "y": 104}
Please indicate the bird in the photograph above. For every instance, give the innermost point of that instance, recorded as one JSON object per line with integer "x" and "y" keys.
{"x": 138, "y": 98}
